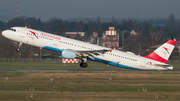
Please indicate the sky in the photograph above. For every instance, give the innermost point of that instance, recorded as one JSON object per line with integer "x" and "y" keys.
{"x": 67, "y": 9}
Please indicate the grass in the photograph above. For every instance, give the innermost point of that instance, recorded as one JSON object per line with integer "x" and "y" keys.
{"x": 89, "y": 86}
{"x": 108, "y": 86}
{"x": 39, "y": 65}
{"x": 176, "y": 66}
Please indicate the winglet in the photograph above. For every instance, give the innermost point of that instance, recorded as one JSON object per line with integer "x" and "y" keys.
{"x": 163, "y": 53}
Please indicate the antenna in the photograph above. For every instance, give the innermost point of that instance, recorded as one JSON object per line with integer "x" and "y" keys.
{"x": 17, "y": 9}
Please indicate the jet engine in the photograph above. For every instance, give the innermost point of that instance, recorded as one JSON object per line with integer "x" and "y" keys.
{"x": 67, "y": 54}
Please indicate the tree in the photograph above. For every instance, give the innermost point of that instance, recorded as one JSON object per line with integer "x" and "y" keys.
{"x": 15, "y": 22}
{"x": 136, "y": 44}
{"x": 154, "y": 35}
{"x": 86, "y": 27}
{"x": 52, "y": 24}
{"x": 88, "y": 32}
{"x": 77, "y": 36}
{"x": 163, "y": 37}
{"x": 146, "y": 33}
{"x": 60, "y": 29}
{"x": 73, "y": 26}
{"x": 1, "y": 26}
{"x": 167, "y": 31}
{"x": 100, "y": 33}
{"x": 7, "y": 49}
{"x": 87, "y": 35}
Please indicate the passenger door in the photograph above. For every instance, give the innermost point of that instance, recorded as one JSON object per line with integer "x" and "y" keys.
{"x": 143, "y": 63}
{"x": 55, "y": 42}
{"x": 22, "y": 33}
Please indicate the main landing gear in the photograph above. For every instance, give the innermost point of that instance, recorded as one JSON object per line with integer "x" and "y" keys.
{"x": 83, "y": 63}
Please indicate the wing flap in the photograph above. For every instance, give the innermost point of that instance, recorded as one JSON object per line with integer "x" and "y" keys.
{"x": 90, "y": 54}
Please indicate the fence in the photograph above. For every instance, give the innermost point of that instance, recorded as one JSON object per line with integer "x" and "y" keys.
{"x": 48, "y": 60}
{"x": 54, "y": 60}
{"x": 173, "y": 61}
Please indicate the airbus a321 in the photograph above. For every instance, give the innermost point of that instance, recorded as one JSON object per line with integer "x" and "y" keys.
{"x": 71, "y": 48}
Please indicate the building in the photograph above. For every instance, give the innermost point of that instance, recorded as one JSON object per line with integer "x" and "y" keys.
{"x": 178, "y": 46}
{"x": 110, "y": 39}
{"x": 135, "y": 32}
{"x": 73, "y": 34}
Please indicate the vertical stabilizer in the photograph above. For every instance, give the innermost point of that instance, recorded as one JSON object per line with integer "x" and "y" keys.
{"x": 163, "y": 53}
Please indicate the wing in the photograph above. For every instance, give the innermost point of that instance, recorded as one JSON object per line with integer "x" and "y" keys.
{"x": 90, "y": 54}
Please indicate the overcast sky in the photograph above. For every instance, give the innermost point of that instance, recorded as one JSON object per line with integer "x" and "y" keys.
{"x": 91, "y": 8}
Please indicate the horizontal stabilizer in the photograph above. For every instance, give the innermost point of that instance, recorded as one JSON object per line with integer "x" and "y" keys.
{"x": 169, "y": 67}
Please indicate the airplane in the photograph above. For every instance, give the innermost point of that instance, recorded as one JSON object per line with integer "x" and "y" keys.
{"x": 71, "y": 48}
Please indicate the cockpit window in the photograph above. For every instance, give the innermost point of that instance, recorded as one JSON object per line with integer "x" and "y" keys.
{"x": 12, "y": 29}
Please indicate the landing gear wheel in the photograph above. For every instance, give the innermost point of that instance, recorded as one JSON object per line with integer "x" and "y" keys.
{"x": 83, "y": 65}
{"x": 19, "y": 45}
{"x": 18, "y": 50}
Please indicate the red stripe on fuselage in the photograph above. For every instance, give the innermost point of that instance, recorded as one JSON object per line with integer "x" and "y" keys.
{"x": 156, "y": 57}
{"x": 34, "y": 34}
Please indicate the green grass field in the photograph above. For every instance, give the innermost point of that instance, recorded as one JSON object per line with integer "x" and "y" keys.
{"x": 86, "y": 86}
{"x": 102, "y": 86}
{"x": 41, "y": 65}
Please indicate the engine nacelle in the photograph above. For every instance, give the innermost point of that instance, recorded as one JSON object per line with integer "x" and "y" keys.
{"x": 67, "y": 54}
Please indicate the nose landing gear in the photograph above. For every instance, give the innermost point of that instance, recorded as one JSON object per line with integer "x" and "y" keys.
{"x": 19, "y": 44}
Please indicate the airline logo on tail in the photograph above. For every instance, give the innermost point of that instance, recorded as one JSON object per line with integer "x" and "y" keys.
{"x": 166, "y": 49}
{"x": 160, "y": 54}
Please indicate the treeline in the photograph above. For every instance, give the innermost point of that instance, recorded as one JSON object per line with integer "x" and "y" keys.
{"x": 149, "y": 35}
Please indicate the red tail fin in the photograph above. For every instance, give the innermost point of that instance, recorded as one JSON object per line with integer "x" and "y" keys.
{"x": 163, "y": 53}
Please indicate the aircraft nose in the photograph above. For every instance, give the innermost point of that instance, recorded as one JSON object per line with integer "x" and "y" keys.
{"x": 4, "y": 33}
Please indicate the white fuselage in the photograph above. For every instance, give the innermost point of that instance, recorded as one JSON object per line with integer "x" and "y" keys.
{"x": 58, "y": 43}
